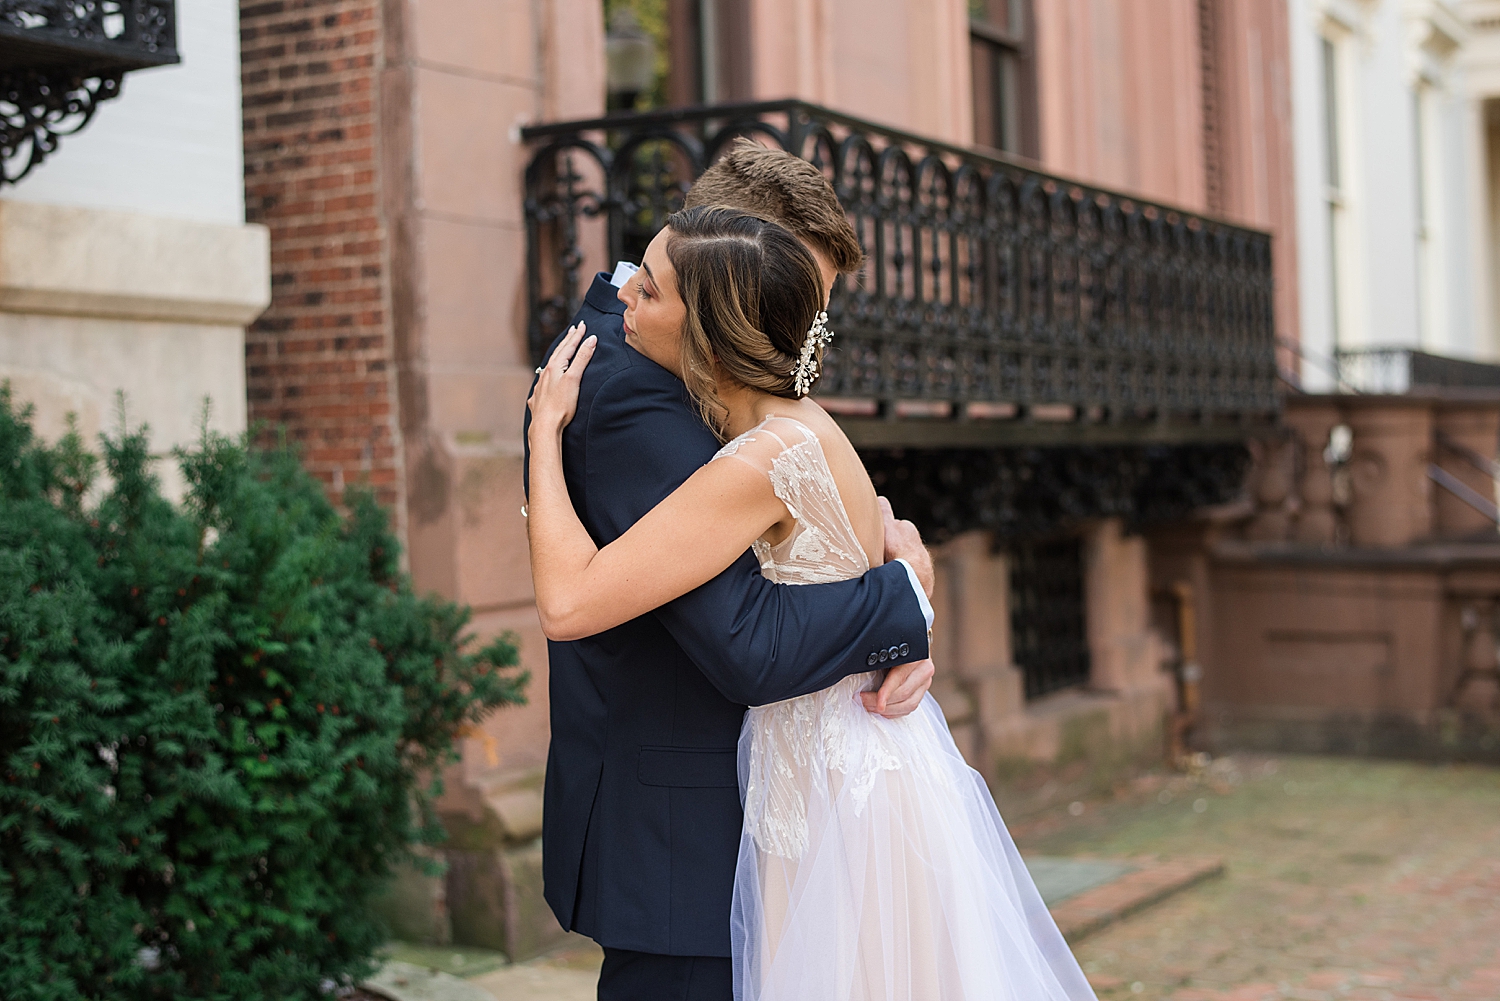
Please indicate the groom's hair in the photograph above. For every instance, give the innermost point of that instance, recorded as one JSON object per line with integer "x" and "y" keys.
{"x": 784, "y": 188}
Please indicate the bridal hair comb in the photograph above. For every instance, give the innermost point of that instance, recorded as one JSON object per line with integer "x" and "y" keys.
{"x": 807, "y": 371}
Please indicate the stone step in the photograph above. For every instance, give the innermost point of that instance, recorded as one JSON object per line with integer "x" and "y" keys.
{"x": 1083, "y": 895}
{"x": 1148, "y": 881}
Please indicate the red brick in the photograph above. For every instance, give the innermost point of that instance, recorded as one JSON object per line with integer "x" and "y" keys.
{"x": 320, "y": 360}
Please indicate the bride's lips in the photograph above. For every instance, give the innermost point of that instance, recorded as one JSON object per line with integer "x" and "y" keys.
{"x": 629, "y": 332}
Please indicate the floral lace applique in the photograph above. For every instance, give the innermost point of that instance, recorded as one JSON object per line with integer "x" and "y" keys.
{"x": 821, "y": 548}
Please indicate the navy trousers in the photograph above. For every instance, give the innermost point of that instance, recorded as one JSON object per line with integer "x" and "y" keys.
{"x": 646, "y": 976}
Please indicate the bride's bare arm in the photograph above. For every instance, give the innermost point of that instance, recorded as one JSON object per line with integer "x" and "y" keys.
{"x": 688, "y": 539}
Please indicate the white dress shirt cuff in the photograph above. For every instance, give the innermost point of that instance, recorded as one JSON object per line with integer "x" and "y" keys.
{"x": 916, "y": 586}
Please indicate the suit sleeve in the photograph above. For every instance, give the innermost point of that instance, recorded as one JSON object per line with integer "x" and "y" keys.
{"x": 757, "y": 642}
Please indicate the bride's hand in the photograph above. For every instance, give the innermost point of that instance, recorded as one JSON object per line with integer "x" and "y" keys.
{"x": 554, "y": 398}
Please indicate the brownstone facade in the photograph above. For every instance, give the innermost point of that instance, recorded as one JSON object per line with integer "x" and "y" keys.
{"x": 320, "y": 361}
{"x": 383, "y": 150}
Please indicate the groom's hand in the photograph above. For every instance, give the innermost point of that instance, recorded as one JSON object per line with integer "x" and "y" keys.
{"x": 904, "y": 542}
{"x": 901, "y": 691}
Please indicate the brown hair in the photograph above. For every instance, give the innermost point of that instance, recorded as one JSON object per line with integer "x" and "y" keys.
{"x": 752, "y": 292}
{"x": 774, "y": 184}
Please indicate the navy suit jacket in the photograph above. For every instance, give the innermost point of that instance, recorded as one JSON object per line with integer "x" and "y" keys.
{"x": 642, "y": 813}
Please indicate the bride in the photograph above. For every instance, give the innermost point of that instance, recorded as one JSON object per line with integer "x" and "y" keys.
{"x": 873, "y": 863}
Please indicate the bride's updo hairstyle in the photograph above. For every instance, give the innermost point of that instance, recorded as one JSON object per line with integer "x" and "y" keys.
{"x": 752, "y": 292}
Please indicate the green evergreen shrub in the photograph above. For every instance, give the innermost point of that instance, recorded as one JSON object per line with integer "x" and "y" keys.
{"x": 218, "y": 722}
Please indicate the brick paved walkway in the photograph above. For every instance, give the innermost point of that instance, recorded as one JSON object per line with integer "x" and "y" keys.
{"x": 1346, "y": 879}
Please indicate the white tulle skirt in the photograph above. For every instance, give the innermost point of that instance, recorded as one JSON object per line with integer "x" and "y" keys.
{"x": 875, "y": 867}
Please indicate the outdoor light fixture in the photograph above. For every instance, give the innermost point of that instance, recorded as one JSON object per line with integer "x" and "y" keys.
{"x": 630, "y": 59}
{"x": 60, "y": 58}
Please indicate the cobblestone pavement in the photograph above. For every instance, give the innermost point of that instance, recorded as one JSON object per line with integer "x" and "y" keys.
{"x": 1346, "y": 879}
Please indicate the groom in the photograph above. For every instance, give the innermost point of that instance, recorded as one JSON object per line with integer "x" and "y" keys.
{"x": 642, "y": 812}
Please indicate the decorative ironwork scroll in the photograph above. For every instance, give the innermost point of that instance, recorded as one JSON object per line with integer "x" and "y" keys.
{"x": 1028, "y": 493}
{"x": 60, "y": 58}
{"x": 988, "y": 282}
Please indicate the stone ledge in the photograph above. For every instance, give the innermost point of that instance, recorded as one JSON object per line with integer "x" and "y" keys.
{"x": 1086, "y": 913}
{"x": 122, "y": 265}
{"x": 1429, "y": 555}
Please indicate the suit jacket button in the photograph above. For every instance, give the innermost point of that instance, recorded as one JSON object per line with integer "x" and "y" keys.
{"x": 884, "y": 656}
{"x": 872, "y": 659}
{"x": 905, "y": 649}
{"x": 893, "y": 652}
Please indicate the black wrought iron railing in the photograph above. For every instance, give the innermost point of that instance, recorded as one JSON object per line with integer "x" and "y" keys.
{"x": 1401, "y": 369}
{"x": 60, "y": 58}
{"x": 992, "y": 289}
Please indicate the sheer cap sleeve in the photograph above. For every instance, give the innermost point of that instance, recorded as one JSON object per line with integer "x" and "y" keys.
{"x": 763, "y": 444}
{"x": 823, "y": 545}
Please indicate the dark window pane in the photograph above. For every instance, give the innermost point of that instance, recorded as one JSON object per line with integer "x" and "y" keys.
{"x": 986, "y": 108}
{"x": 1331, "y": 110}
{"x": 1007, "y": 82}
{"x": 997, "y": 76}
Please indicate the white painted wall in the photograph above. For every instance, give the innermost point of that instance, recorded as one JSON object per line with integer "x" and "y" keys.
{"x": 1387, "y": 163}
{"x": 1314, "y": 292}
{"x": 1386, "y": 296}
{"x": 1480, "y": 64}
{"x": 170, "y": 144}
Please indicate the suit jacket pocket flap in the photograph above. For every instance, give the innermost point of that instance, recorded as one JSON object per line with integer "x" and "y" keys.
{"x": 689, "y": 767}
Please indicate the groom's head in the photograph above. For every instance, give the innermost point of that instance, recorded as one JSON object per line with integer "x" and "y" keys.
{"x": 784, "y": 188}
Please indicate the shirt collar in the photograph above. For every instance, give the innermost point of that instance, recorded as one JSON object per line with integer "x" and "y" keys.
{"x": 602, "y": 295}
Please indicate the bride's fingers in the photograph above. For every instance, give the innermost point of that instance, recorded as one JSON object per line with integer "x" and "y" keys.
{"x": 563, "y": 356}
{"x": 581, "y": 360}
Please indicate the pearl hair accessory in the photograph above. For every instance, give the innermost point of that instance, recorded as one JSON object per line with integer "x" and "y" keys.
{"x": 807, "y": 371}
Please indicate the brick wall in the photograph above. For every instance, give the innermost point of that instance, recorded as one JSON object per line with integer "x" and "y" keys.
{"x": 320, "y": 361}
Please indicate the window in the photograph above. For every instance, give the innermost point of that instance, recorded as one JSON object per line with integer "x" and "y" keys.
{"x": 1049, "y": 636}
{"x": 1333, "y": 181}
{"x": 709, "y": 45}
{"x": 1004, "y": 81}
{"x": 1431, "y": 317}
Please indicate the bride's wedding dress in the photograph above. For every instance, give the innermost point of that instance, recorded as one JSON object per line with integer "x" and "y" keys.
{"x": 873, "y": 865}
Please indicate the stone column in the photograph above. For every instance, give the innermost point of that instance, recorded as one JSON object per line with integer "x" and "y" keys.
{"x": 1392, "y": 496}
{"x": 973, "y": 650}
{"x": 1125, "y": 653}
{"x": 463, "y": 78}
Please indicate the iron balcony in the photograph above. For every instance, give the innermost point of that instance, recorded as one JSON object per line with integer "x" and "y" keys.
{"x": 60, "y": 58}
{"x": 1000, "y": 304}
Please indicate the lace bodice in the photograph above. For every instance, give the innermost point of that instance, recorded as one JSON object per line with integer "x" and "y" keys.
{"x": 822, "y": 546}
{"x": 786, "y": 738}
